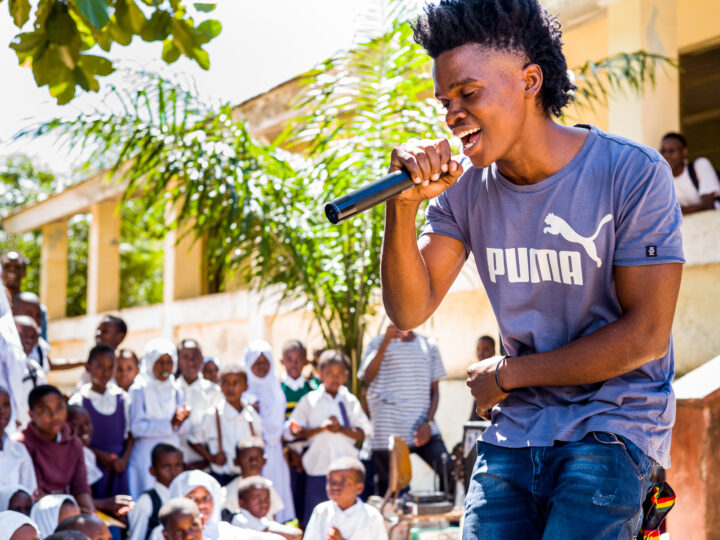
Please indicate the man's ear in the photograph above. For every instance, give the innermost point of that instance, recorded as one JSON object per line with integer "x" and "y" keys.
{"x": 32, "y": 415}
{"x": 152, "y": 470}
{"x": 533, "y": 79}
{"x": 236, "y": 461}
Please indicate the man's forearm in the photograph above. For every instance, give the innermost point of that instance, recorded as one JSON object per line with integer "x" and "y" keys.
{"x": 615, "y": 349}
{"x": 405, "y": 282}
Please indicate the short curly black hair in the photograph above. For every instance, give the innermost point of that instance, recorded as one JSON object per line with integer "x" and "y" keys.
{"x": 524, "y": 26}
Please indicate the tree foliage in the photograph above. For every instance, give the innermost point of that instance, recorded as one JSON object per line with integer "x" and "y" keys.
{"x": 64, "y": 32}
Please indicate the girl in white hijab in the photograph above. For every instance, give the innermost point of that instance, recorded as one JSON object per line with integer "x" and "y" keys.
{"x": 51, "y": 510}
{"x": 265, "y": 393}
{"x": 7, "y": 494}
{"x": 157, "y": 411}
{"x": 205, "y": 491}
{"x": 17, "y": 526}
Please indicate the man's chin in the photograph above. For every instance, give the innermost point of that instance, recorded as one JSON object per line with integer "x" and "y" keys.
{"x": 479, "y": 160}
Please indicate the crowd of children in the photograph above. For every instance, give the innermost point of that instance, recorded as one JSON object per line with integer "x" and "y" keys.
{"x": 172, "y": 444}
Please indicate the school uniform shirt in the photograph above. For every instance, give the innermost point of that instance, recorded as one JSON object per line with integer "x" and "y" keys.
{"x": 105, "y": 403}
{"x": 687, "y": 193}
{"x": 140, "y": 514}
{"x": 234, "y": 426}
{"x": 200, "y": 396}
{"x": 323, "y": 448}
{"x": 33, "y": 376}
{"x": 16, "y": 465}
{"x": 93, "y": 472}
{"x": 359, "y": 522}
{"x": 245, "y": 520}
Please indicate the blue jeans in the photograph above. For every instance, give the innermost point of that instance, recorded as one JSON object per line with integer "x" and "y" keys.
{"x": 590, "y": 489}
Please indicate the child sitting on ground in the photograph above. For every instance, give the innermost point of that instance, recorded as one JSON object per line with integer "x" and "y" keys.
{"x": 180, "y": 518}
{"x": 250, "y": 458}
{"x": 107, "y": 406}
{"x": 345, "y": 516}
{"x": 15, "y": 462}
{"x": 144, "y": 516}
{"x": 332, "y": 418}
{"x": 50, "y": 510}
{"x": 225, "y": 425}
{"x": 89, "y": 525}
{"x": 127, "y": 367}
{"x": 79, "y": 420}
{"x": 157, "y": 411}
{"x": 16, "y": 498}
{"x": 254, "y": 504}
{"x": 50, "y": 442}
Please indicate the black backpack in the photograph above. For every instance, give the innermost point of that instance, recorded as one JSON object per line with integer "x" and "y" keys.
{"x": 154, "y": 520}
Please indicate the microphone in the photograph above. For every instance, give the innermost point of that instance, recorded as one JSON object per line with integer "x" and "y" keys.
{"x": 374, "y": 193}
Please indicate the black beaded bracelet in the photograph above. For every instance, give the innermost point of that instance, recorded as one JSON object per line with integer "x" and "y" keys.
{"x": 497, "y": 379}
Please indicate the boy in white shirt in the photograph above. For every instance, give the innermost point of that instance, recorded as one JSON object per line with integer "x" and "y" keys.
{"x": 143, "y": 517}
{"x": 200, "y": 395}
{"x": 224, "y": 426}
{"x": 253, "y": 496}
{"x": 345, "y": 516}
{"x": 332, "y": 420}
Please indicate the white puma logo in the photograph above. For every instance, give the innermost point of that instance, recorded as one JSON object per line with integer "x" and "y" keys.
{"x": 557, "y": 225}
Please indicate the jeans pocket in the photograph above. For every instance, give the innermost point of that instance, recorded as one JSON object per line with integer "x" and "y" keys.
{"x": 641, "y": 464}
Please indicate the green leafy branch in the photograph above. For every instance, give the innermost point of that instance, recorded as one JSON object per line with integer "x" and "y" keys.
{"x": 64, "y": 31}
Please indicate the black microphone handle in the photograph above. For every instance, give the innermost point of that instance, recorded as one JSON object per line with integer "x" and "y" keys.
{"x": 369, "y": 195}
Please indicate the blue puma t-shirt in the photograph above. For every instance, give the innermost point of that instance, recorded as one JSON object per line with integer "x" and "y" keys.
{"x": 545, "y": 253}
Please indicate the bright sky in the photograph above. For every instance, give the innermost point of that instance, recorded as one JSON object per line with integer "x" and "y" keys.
{"x": 262, "y": 44}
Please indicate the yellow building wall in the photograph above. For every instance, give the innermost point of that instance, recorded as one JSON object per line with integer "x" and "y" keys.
{"x": 585, "y": 42}
{"x": 698, "y": 24}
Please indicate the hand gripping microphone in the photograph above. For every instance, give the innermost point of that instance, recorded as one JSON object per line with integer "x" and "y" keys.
{"x": 368, "y": 196}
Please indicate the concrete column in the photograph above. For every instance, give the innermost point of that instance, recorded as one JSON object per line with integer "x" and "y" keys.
{"x": 649, "y": 25}
{"x": 103, "y": 288}
{"x": 184, "y": 268}
{"x": 54, "y": 268}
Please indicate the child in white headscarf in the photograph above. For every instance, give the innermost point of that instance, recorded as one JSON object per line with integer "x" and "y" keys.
{"x": 205, "y": 491}
{"x": 157, "y": 411}
{"x": 266, "y": 394}
{"x": 14, "y": 525}
{"x": 51, "y": 510}
{"x": 16, "y": 498}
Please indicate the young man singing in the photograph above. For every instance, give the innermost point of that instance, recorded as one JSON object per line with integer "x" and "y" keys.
{"x": 575, "y": 233}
